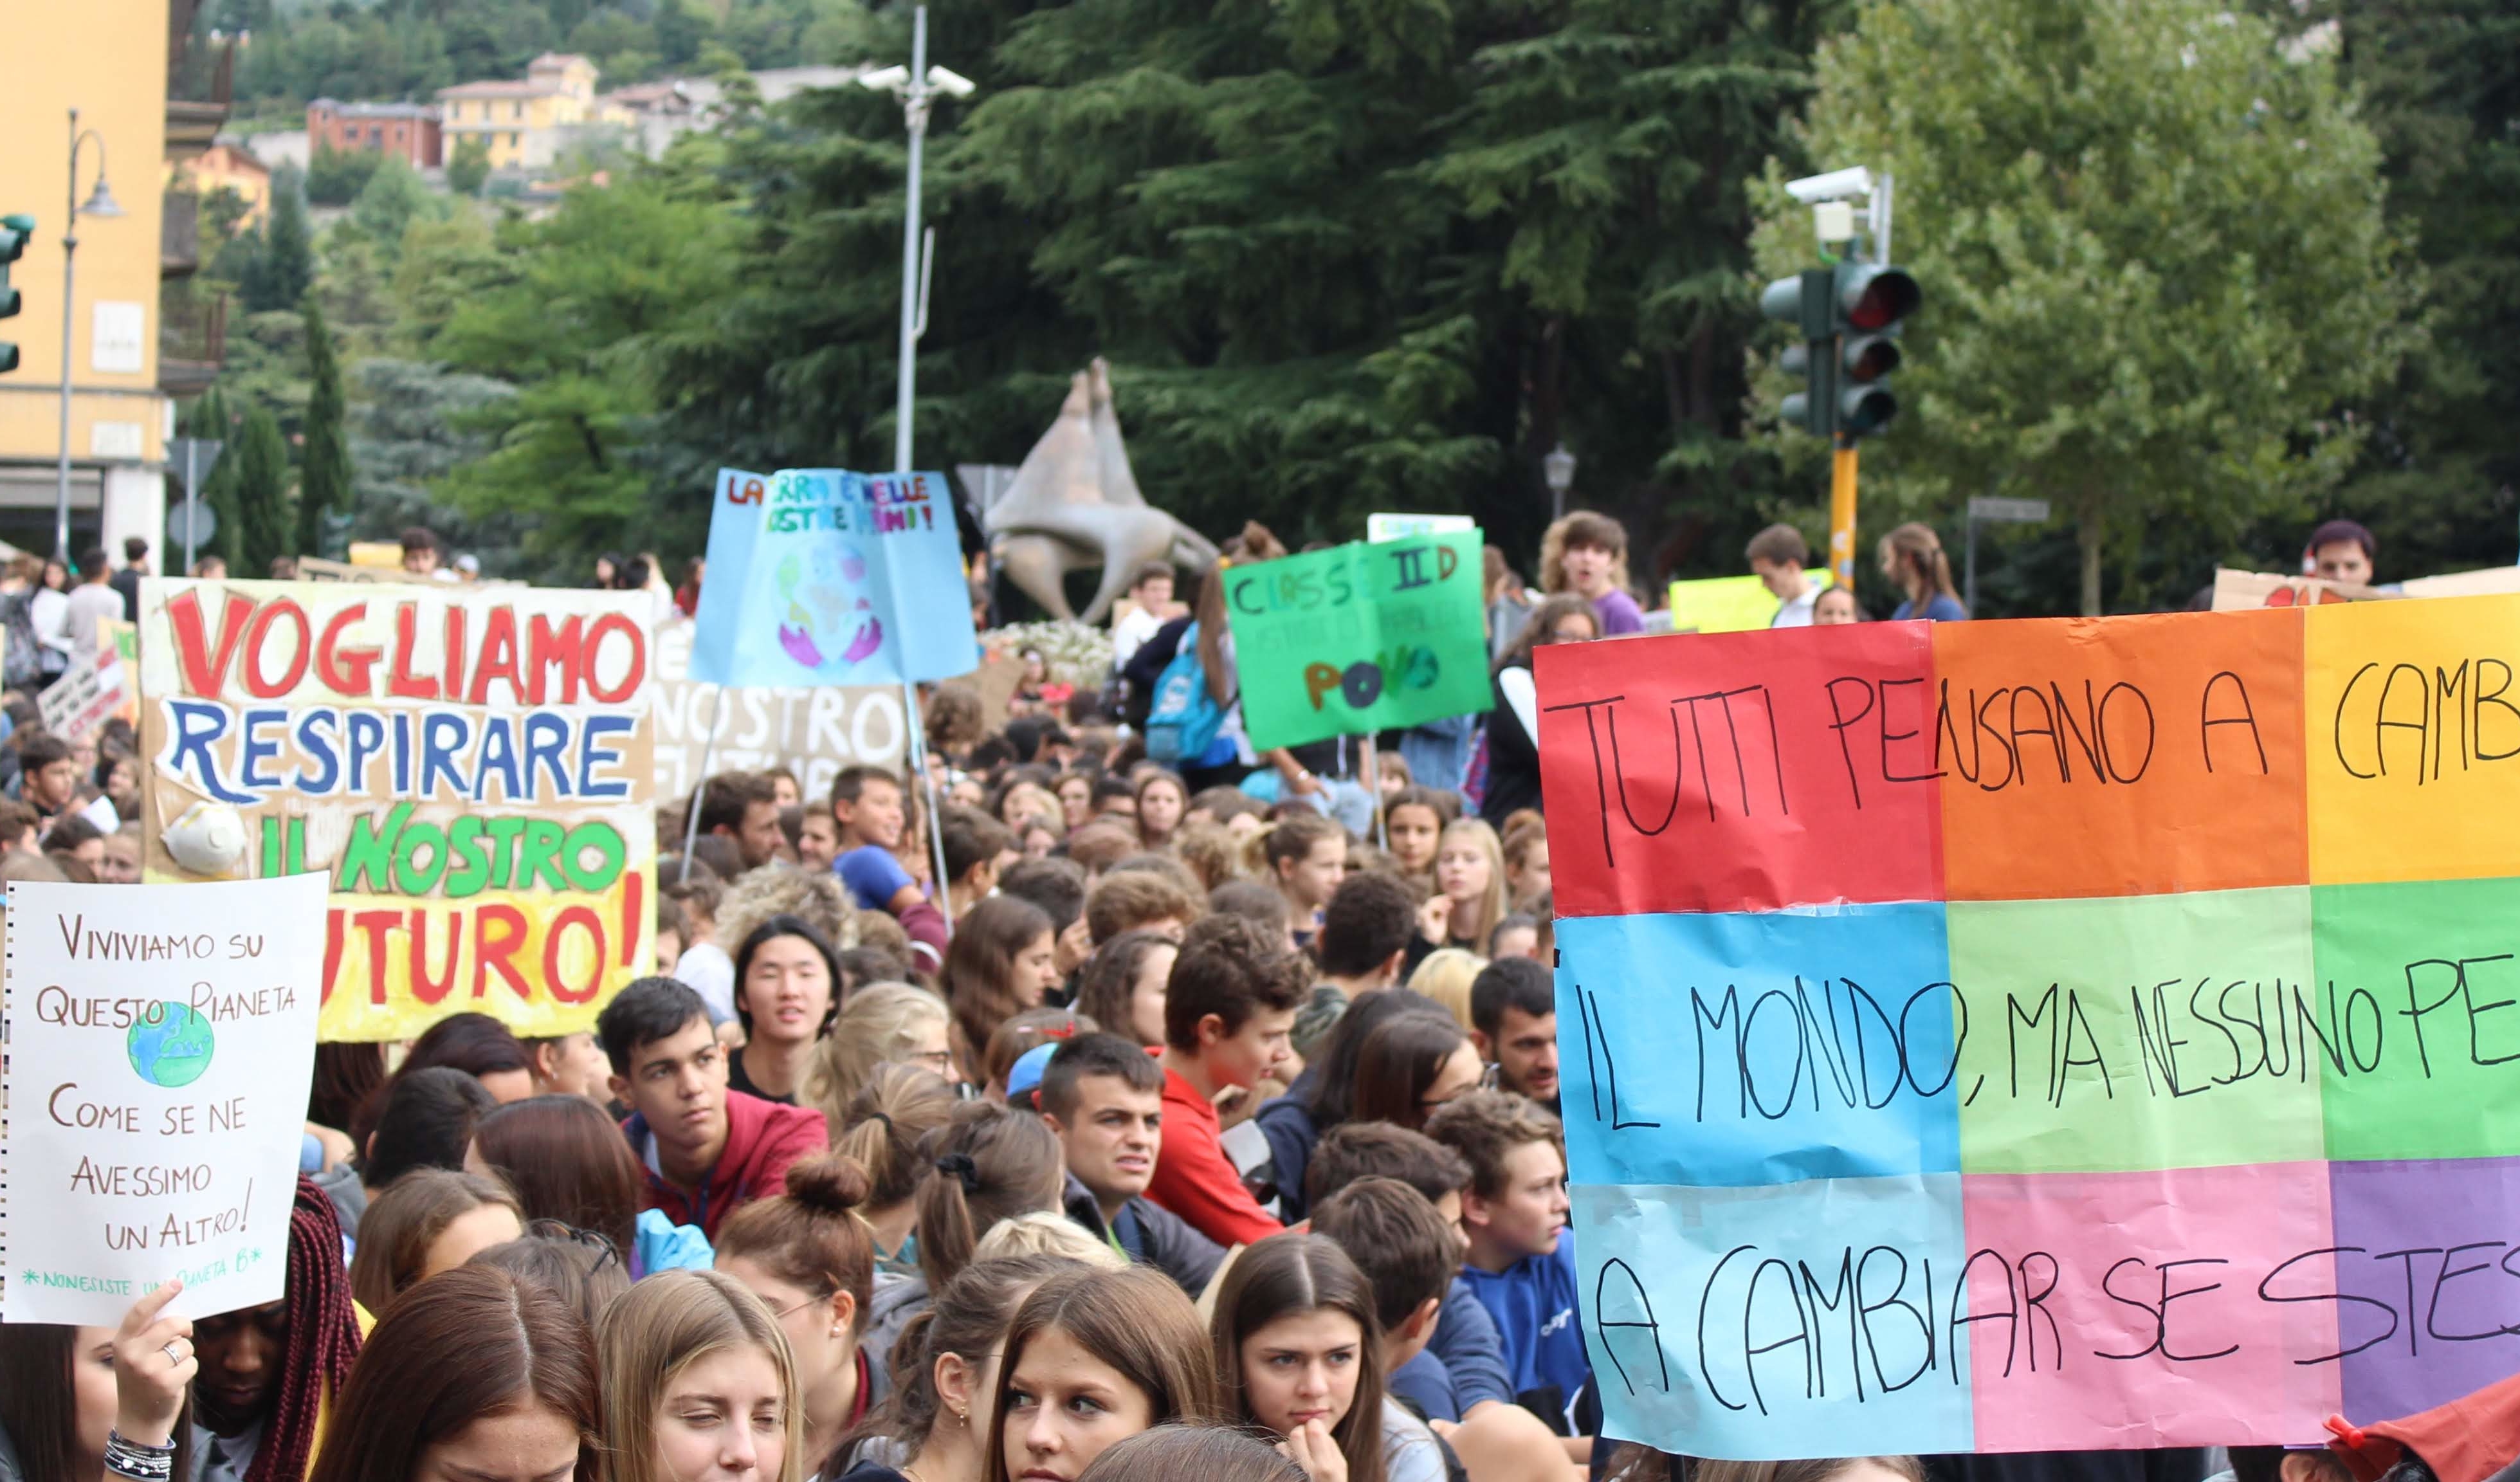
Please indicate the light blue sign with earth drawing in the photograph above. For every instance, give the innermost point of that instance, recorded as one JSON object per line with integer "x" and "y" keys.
{"x": 820, "y": 576}
{"x": 169, "y": 1044}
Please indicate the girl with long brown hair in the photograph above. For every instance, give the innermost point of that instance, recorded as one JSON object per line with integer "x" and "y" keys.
{"x": 934, "y": 1425}
{"x": 565, "y": 1161}
{"x": 698, "y": 1382}
{"x": 428, "y": 1220}
{"x": 484, "y": 1373}
{"x": 1299, "y": 1352}
{"x": 71, "y": 1397}
{"x": 882, "y": 1130}
{"x": 1004, "y": 958}
{"x": 1912, "y": 556}
{"x": 1092, "y": 1358}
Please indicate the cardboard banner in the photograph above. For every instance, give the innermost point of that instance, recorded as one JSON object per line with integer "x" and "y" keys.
{"x": 161, "y": 1041}
{"x": 2042, "y": 1035}
{"x": 89, "y": 693}
{"x": 473, "y": 767}
{"x": 812, "y": 732}
{"x": 819, "y": 576}
{"x": 1361, "y": 637}
{"x": 2240, "y": 591}
{"x": 1729, "y": 604}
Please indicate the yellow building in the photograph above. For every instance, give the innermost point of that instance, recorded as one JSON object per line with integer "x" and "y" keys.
{"x": 226, "y": 168}
{"x": 519, "y": 122}
{"x": 119, "y": 415}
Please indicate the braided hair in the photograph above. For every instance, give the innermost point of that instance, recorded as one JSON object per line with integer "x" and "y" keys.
{"x": 323, "y": 1337}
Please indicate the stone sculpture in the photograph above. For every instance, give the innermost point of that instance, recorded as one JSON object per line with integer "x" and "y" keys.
{"x": 1075, "y": 505}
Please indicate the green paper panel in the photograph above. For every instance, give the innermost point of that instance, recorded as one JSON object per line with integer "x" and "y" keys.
{"x": 1359, "y": 638}
{"x": 2120, "y": 1034}
{"x": 2416, "y": 1023}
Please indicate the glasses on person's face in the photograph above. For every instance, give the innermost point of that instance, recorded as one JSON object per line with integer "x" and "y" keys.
{"x": 782, "y": 1314}
{"x": 939, "y": 1060}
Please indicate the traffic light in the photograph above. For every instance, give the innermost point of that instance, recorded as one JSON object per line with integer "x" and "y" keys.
{"x": 1847, "y": 317}
{"x": 1870, "y": 299}
{"x": 14, "y": 234}
{"x": 1803, "y": 300}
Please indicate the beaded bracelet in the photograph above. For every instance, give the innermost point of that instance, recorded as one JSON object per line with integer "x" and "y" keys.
{"x": 124, "y": 1457}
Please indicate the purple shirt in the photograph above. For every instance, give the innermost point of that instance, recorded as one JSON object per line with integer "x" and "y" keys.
{"x": 1619, "y": 614}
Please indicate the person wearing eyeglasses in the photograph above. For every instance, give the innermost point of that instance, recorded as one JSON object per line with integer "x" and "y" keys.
{"x": 811, "y": 1261}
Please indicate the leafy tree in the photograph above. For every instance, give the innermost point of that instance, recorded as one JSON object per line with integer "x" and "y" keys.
{"x": 2439, "y": 476}
{"x": 2157, "y": 276}
{"x": 276, "y": 273}
{"x": 470, "y": 166}
{"x": 323, "y": 467}
{"x": 565, "y": 313}
{"x": 335, "y": 177}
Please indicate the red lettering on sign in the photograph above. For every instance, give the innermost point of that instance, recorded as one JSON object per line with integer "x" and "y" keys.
{"x": 204, "y": 670}
{"x": 258, "y": 642}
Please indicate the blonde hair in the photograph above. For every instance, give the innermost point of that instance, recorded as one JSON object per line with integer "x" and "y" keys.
{"x": 667, "y": 1324}
{"x": 1209, "y": 851}
{"x": 1045, "y": 1233}
{"x": 1445, "y": 976}
{"x": 816, "y": 896}
{"x": 1492, "y": 903}
{"x": 880, "y": 1023}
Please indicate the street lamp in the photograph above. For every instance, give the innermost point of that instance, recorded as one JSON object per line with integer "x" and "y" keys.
{"x": 101, "y": 205}
{"x": 1558, "y": 466}
{"x": 917, "y": 86}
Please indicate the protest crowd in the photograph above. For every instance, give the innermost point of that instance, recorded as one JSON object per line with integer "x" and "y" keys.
{"x": 1112, "y": 1118}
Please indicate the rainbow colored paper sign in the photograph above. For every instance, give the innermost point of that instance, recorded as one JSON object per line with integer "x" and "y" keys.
{"x": 819, "y": 576}
{"x": 2008, "y": 1036}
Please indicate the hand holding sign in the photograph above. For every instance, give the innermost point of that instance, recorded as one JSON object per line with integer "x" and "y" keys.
{"x": 153, "y": 1365}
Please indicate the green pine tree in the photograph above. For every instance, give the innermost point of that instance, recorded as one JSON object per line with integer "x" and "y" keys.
{"x": 278, "y": 274}
{"x": 324, "y": 467}
{"x": 259, "y": 530}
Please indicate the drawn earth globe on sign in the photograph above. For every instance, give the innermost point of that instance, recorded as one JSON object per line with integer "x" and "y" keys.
{"x": 169, "y": 1044}
{"x": 829, "y": 616}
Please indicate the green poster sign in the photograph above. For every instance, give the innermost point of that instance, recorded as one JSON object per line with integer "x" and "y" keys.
{"x": 1359, "y": 638}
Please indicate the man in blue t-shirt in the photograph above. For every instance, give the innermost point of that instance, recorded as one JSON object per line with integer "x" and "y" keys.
{"x": 1521, "y": 1259}
{"x": 866, "y": 806}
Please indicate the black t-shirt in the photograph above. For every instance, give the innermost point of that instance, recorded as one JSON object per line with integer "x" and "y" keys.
{"x": 738, "y": 1080}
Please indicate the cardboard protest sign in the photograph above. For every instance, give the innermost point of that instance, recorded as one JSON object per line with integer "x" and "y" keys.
{"x": 2238, "y": 591}
{"x": 471, "y": 766}
{"x": 1361, "y": 637}
{"x": 2008, "y": 1036}
{"x": 1727, "y": 604}
{"x": 819, "y": 576}
{"x": 812, "y": 732}
{"x": 161, "y": 1041}
{"x": 89, "y": 692}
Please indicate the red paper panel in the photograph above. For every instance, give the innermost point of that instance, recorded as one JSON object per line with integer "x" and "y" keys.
{"x": 1741, "y": 771}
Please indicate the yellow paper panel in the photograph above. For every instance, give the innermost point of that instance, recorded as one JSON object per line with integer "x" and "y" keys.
{"x": 2413, "y": 718}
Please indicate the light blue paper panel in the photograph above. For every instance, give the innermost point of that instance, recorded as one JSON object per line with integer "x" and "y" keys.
{"x": 1757, "y": 1048}
{"x": 1812, "y": 1320}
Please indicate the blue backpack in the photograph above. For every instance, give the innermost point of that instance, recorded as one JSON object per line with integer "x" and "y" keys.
{"x": 1183, "y": 719}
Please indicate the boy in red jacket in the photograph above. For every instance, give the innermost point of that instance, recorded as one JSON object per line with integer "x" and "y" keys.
{"x": 705, "y": 1149}
{"x": 1228, "y": 1008}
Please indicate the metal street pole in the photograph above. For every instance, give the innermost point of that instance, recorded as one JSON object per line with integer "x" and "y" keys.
{"x": 915, "y": 109}
{"x": 102, "y": 204}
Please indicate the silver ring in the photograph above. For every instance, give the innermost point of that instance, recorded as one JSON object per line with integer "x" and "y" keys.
{"x": 172, "y": 1357}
